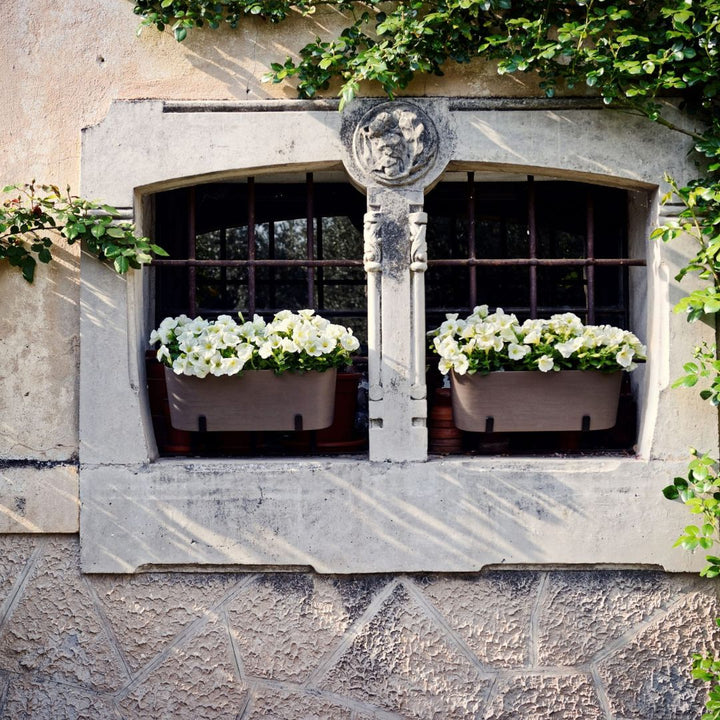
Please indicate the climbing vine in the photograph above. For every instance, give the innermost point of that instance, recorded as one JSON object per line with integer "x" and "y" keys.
{"x": 34, "y": 217}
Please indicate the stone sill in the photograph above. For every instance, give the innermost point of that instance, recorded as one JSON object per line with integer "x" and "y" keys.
{"x": 348, "y": 515}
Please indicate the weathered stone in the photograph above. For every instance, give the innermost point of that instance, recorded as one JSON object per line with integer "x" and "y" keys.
{"x": 545, "y": 697}
{"x": 194, "y": 679}
{"x": 341, "y": 515}
{"x": 648, "y": 675}
{"x": 490, "y": 612}
{"x": 39, "y": 699}
{"x": 38, "y": 499}
{"x": 404, "y": 662}
{"x": 147, "y": 612}
{"x": 55, "y": 629}
{"x": 308, "y": 616}
{"x": 581, "y": 613}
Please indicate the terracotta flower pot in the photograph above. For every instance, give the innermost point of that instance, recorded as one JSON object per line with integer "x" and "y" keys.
{"x": 531, "y": 401}
{"x": 255, "y": 400}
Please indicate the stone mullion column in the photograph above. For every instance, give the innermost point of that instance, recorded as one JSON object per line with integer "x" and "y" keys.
{"x": 418, "y": 266}
{"x": 372, "y": 262}
{"x": 397, "y": 365}
{"x": 395, "y": 151}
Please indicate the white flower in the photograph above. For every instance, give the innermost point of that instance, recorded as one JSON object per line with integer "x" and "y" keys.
{"x": 460, "y": 364}
{"x": 223, "y": 347}
{"x": 625, "y": 356}
{"x": 567, "y": 348}
{"x": 545, "y": 363}
{"x": 535, "y": 341}
{"x": 517, "y": 352}
{"x": 266, "y": 350}
{"x": 349, "y": 342}
{"x": 312, "y": 347}
{"x": 231, "y": 366}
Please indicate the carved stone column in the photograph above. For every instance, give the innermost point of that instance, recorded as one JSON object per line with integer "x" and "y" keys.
{"x": 395, "y": 151}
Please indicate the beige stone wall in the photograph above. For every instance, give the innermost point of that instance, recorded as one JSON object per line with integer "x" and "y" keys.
{"x": 509, "y": 644}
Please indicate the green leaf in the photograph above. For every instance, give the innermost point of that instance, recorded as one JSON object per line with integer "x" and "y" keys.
{"x": 121, "y": 264}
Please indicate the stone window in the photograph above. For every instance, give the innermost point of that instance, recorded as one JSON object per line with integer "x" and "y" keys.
{"x": 533, "y": 247}
{"x": 402, "y": 510}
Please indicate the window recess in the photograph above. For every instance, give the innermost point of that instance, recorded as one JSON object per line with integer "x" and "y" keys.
{"x": 261, "y": 245}
{"x": 535, "y": 248}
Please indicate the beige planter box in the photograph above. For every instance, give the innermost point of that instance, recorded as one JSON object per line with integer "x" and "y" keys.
{"x": 255, "y": 400}
{"x": 532, "y": 401}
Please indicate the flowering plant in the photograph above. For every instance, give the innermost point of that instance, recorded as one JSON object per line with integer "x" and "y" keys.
{"x": 291, "y": 342}
{"x": 485, "y": 342}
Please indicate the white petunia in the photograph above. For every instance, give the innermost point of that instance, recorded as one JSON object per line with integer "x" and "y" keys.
{"x": 545, "y": 363}
{"x": 349, "y": 342}
{"x": 625, "y": 356}
{"x": 517, "y": 352}
{"x": 460, "y": 364}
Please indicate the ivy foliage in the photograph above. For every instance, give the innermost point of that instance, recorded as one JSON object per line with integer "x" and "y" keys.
{"x": 630, "y": 50}
{"x": 35, "y": 214}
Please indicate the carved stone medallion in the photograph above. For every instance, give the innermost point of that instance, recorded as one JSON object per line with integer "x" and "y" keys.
{"x": 395, "y": 143}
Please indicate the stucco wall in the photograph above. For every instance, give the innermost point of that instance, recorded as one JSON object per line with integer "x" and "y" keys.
{"x": 508, "y": 644}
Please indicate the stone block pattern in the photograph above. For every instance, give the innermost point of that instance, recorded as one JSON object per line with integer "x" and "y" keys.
{"x": 505, "y": 644}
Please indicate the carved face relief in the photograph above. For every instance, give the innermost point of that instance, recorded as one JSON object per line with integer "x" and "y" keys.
{"x": 394, "y": 143}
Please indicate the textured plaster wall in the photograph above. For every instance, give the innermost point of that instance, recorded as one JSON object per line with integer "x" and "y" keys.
{"x": 507, "y": 644}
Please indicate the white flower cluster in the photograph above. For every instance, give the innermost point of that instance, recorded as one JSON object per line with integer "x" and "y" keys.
{"x": 291, "y": 342}
{"x": 484, "y": 342}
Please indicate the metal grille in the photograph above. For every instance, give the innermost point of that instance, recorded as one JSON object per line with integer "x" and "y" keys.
{"x": 261, "y": 247}
{"x": 499, "y": 237}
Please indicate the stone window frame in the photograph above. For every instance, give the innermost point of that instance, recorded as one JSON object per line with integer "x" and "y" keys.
{"x": 399, "y": 512}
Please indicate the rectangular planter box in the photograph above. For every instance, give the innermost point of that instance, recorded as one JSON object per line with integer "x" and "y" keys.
{"x": 255, "y": 400}
{"x": 533, "y": 401}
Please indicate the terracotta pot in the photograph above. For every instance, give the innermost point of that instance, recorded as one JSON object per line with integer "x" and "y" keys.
{"x": 255, "y": 400}
{"x": 170, "y": 441}
{"x": 342, "y": 429}
{"x": 531, "y": 401}
{"x": 443, "y": 435}
{"x": 341, "y": 436}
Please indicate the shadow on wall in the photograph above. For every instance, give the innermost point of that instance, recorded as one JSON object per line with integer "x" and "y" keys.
{"x": 345, "y": 516}
{"x": 240, "y": 58}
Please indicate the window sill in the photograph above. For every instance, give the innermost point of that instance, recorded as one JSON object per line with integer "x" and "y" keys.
{"x": 338, "y": 515}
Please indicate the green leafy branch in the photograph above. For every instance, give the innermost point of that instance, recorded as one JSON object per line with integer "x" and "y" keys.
{"x": 700, "y": 491}
{"x": 707, "y": 669}
{"x": 35, "y": 214}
